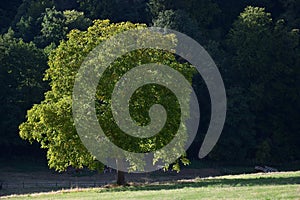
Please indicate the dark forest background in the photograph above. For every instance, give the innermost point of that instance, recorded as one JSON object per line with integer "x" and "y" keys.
{"x": 255, "y": 44}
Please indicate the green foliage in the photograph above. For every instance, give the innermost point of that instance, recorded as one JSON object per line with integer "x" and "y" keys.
{"x": 177, "y": 20}
{"x": 27, "y": 21}
{"x": 76, "y": 20}
{"x": 53, "y": 26}
{"x": 263, "y": 74}
{"x": 192, "y": 17}
{"x": 41, "y": 22}
{"x": 21, "y": 71}
{"x": 51, "y": 123}
{"x": 56, "y": 24}
{"x": 115, "y": 10}
{"x": 251, "y": 39}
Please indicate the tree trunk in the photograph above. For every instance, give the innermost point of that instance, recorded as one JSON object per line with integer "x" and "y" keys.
{"x": 120, "y": 174}
{"x": 121, "y": 178}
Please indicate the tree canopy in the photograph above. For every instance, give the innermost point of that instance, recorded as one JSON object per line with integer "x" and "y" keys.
{"x": 51, "y": 122}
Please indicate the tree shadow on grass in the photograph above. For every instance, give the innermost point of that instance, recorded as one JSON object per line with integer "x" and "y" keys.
{"x": 260, "y": 181}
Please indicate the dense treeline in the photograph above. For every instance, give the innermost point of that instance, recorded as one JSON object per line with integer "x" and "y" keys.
{"x": 254, "y": 43}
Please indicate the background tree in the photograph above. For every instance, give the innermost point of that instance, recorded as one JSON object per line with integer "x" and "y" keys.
{"x": 291, "y": 13}
{"x": 192, "y": 15}
{"x": 262, "y": 79}
{"x": 177, "y": 20}
{"x": 21, "y": 67}
{"x": 56, "y": 24}
{"x": 116, "y": 11}
{"x": 8, "y": 10}
{"x": 53, "y": 27}
{"x": 27, "y": 22}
